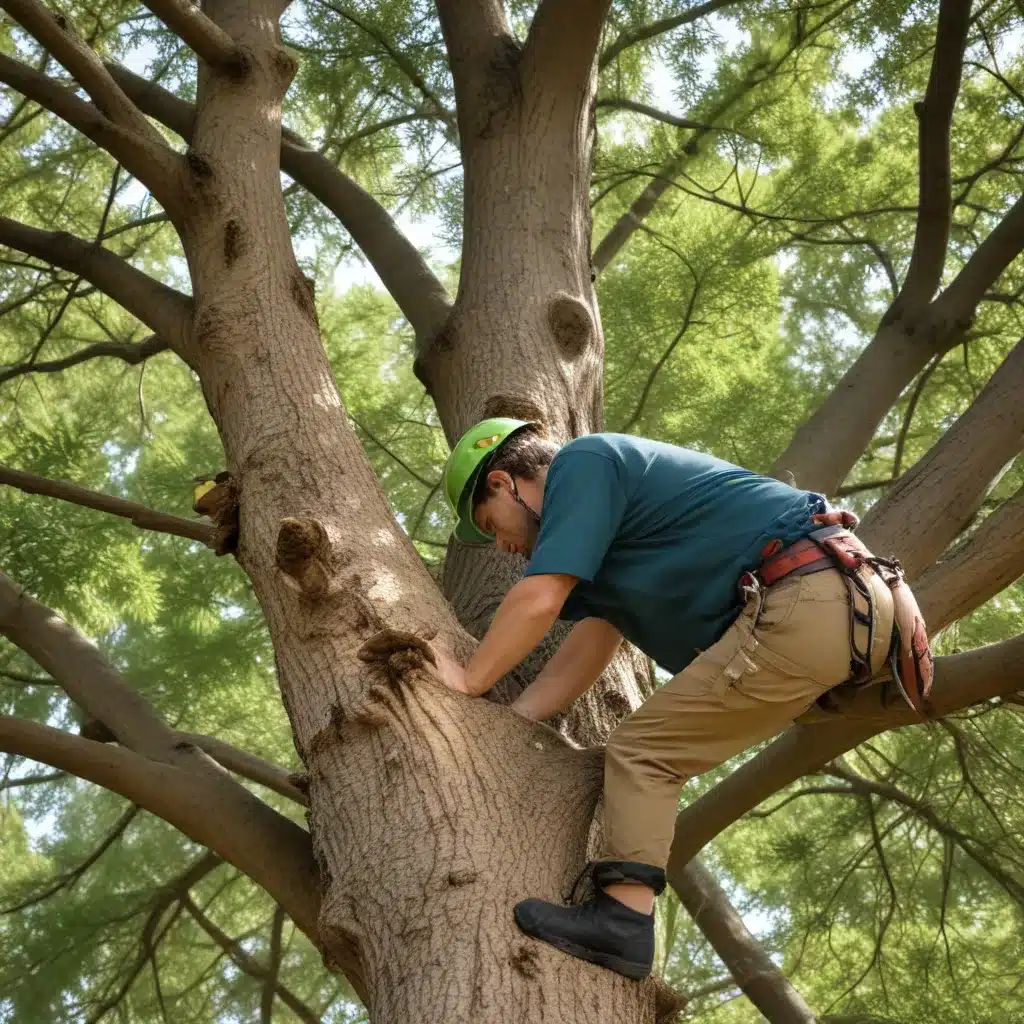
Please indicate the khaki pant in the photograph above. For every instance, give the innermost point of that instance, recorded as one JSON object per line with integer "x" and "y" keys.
{"x": 789, "y": 645}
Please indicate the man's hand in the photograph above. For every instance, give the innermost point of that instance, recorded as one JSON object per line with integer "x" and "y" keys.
{"x": 448, "y": 671}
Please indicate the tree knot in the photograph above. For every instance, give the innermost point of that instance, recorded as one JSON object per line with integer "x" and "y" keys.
{"x": 571, "y": 322}
{"x": 668, "y": 1001}
{"x": 285, "y": 63}
{"x": 303, "y": 295}
{"x": 199, "y": 167}
{"x": 219, "y": 502}
{"x": 304, "y": 556}
{"x": 400, "y": 650}
{"x": 232, "y": 241}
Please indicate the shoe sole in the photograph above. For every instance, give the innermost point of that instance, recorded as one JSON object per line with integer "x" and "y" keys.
{"x": 627, "y": 968}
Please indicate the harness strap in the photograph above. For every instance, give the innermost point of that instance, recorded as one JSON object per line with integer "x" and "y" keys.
{"x": 833, "y": 545}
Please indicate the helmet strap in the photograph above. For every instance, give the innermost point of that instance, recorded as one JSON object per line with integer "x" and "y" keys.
{"x": 519, "y": 501}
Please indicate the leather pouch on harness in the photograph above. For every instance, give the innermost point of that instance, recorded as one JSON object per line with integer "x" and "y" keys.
{"x": 910, "y": 657}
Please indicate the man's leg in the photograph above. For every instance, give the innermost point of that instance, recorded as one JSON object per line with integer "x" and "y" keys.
{"x": 747, "y": 687}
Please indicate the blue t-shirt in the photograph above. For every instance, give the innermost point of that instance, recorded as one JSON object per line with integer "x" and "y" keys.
{"x": 659, "y": 536}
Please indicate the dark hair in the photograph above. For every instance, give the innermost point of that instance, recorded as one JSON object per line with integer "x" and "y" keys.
{"x": 522, "y": 455}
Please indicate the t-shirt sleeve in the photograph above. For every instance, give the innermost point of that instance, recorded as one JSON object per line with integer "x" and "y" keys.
{"x": 584, "y": 502}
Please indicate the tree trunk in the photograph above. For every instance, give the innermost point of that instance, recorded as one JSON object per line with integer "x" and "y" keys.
{"x": 431, "y": 814}
{"x": 524, "y": 337}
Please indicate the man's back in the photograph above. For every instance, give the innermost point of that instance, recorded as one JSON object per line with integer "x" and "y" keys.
{"x": 659, "y": 536}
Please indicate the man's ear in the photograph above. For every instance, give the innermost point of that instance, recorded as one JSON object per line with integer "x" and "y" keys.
{"x": 497, "y": 480}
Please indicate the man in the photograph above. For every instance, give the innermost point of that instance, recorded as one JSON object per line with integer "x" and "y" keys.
{"x": 706, "y": 568}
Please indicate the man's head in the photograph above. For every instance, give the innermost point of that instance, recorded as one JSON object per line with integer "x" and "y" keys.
{"x": 494, "y": 482}
{"x": 509, "y": 491}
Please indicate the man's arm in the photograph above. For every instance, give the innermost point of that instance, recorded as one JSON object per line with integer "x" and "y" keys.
{"x": 574, "y": 668}
{"x": 523, "y": 618}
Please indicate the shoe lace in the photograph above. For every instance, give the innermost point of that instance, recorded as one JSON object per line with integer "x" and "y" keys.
{"x": 571, "y": 898}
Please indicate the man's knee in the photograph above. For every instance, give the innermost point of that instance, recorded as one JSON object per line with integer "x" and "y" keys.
{"x": 632, "y": 732}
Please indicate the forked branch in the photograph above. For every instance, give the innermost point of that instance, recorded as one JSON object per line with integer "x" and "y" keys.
{"x": 935, "y": 119}
{"x": 57, "y": 36}
{"x": 412, "y": 284}
{"x": 152, "y": 162}
{"x": 200, "y": 34}
{"x": 986, "y": 563}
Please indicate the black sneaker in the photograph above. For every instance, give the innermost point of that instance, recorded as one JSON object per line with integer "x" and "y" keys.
{"x": 600, "y": 930}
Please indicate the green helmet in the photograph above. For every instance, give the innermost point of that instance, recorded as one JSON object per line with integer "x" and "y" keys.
{"x": 467, "y": 461}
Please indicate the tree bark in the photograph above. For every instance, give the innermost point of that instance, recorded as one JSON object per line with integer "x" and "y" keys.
{"x": 978, "y": 569}
{"x": 751, "y": 967}
{"x": 524, "y": 337}
{"x": 428, "y": 928}
{"x": 933, "y": 501}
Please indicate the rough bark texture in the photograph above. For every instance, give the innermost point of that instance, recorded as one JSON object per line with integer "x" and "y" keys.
{"x": 460, "y": 782}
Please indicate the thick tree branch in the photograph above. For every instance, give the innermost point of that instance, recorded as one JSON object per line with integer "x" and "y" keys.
{"x": 828, "y": 444}
{"x": 250, "y": 965}
{"x": 956, "y": 305}
{"x": 562, "y": 44}
{"x": 214, "y": 812}
{"x": 165, "y": 311}
{"x": 139, "y": 515}
{"x": 935, "y": 118}
{"x": 928, "y": 507}
{"x": 249, "y": 766}
{"x": 91, "y": 681}
{"x": 129, "y": 353}
{"x": 57, "y": 36}
{"x": 960, "y": 680}
{"x": 481, "y": 53}
{"x": 200, "y": 34}
{"x": 419, "y": 294}
{"x": 987, "y": 562}
{"x": 751, "y": 967}
{"x": 152, "y": 162}
{"x": 656, "y": 28}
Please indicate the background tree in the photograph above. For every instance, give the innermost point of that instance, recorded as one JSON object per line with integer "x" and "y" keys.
{"x": 803, "y": 268}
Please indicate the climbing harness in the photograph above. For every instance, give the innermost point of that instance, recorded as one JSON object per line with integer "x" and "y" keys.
{"x": 834, "y": 546}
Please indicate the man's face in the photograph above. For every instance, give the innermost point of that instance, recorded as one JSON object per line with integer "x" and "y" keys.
{"x": 514, "y": 529}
